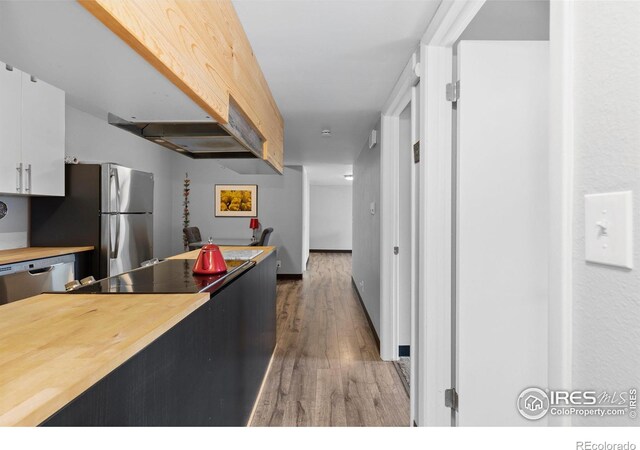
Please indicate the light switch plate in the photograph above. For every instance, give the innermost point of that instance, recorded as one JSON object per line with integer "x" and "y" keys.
{"x": 609, "y": 229}
{"x": 372, "y": 208}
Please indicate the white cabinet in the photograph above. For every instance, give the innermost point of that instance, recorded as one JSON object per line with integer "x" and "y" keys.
{"x": 10, "y": 134}
{"x": 42, "y": 137}
{"x": 32, "y": 135}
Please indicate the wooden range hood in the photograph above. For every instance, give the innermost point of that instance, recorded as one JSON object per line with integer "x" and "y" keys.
{"x": 201, "y": 47}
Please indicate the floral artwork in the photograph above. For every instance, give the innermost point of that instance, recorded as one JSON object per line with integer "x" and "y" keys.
{"x": 233, "y": 200}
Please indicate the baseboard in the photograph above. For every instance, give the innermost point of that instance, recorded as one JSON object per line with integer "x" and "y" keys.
{"x": 404, "y": 350}
{"x": 289, "y": 276}
{"x": 366, "y": 313}
{"x": 329, "y": 251}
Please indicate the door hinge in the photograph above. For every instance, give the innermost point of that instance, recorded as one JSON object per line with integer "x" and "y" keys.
{"x": 416, "y": 152}
{"x": 396, "y": 250}
{"x": 451, "y": 399}
{"x": 453, "y": 91}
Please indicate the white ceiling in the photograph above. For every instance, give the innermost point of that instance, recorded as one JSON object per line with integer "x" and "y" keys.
{"x": 61, "y": 43}
{"x": 332, "y": 64}
{"x": 329, "y": 63}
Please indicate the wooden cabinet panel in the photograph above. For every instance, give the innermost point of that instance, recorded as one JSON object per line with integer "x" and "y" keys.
{"x": 202, "y": 48}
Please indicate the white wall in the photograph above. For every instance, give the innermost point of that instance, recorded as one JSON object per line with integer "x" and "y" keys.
{"x": 366, "y": 229}
{"x": 606, "y": 301}
{"x": 92, "y": 139}
{"x": 280, "y": 205}
{"x": 305, "y": 216}
{"x": 14, "y": 226}
{"x": 330, "y": 217}
{"x": 503, "y": 20}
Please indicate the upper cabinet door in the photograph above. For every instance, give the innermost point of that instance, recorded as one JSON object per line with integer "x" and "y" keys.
{"x": 43, "y": 137}
{"x": 10, "y": 145}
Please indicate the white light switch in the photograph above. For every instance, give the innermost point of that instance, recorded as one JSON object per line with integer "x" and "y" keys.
{"x": 372, "y": 208}
{"x": 609, "y": 229}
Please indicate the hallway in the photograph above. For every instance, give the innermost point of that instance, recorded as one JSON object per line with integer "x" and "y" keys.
{"x": 326, "y": 369}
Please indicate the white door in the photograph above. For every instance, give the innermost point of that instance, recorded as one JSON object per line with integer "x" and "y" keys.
{"x": 43, "y": 128}
{"x": 502, "y": 222}
{"x": 10, "y": 104}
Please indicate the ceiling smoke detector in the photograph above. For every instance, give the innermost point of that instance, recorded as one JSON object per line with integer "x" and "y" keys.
{"x": 326, "y": 133}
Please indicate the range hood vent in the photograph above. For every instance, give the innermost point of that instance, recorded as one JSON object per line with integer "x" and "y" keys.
{"x": 200, "y": 139}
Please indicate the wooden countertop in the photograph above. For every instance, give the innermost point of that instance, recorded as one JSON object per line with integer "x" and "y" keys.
{"x": 266, "y": 251}
{"x": 25, "y": 254}
{"x": 53, "y": 347}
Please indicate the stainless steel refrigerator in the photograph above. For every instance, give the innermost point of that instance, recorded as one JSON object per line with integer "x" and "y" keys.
{"x": 106, "y": 205}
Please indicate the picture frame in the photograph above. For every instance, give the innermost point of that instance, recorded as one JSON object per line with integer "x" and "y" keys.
{"x": 236, "y": 200}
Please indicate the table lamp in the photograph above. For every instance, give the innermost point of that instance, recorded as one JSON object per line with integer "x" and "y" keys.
{"x": 254, "y": 224}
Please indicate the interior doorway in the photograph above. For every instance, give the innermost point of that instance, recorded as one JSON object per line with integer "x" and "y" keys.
{"x": 406, "y": 240}
{"x": 399, "y": 190}
{"x": 404, "y": 234}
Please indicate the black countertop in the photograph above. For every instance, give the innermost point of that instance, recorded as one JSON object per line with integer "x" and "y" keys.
{"x": 172, "y": 276}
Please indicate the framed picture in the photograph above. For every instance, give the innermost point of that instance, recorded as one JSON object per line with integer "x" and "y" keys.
{"x": 236, "y": 200}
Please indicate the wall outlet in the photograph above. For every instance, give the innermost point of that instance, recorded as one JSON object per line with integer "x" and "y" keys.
{"x": 361, "y": 285}
{"x": 278, "y": 264}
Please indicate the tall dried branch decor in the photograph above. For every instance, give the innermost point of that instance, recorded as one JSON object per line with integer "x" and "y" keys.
{"x": 185, "y": 211}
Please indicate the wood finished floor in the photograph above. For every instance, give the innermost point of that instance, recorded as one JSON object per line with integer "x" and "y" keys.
{"x": 326, "y": 370}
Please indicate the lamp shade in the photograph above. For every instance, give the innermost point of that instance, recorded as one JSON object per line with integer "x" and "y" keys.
{"x": 254, "y": 224}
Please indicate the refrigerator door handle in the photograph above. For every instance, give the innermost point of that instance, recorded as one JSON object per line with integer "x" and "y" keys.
{"x": 114, "y": 194}
{"x": 114, "y": 191}
{"x": 116, "y": 242}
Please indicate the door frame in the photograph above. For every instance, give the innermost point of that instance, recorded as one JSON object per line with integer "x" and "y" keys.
{"x": 434, "y": 331}
{"x": 432, "y": 65}
{"x": 561, "y": 180}
{"x": 434, "y": 356}
{"x": 398, "y": 100}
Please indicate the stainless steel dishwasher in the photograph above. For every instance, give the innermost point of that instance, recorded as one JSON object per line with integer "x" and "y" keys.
{"x": 27, "y": 278}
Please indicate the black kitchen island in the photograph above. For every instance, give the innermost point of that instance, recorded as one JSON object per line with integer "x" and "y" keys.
{"x": 204, "y": 371}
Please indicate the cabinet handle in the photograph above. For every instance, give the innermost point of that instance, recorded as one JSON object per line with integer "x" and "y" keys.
{"x": 19, "y": 178}
{"x": 27, "y": 189}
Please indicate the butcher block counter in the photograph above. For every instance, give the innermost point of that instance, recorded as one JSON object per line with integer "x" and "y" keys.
{"x": 53, "y": 347}
{"x": 159, "y": 359}
{"x": 26, "y": 254}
